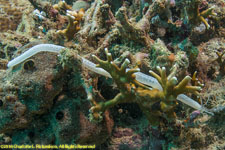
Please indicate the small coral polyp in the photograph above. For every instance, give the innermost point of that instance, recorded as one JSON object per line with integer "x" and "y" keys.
{"x": 154, "y": 103}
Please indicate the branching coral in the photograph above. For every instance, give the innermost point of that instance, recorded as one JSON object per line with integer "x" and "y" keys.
{"x": 195, "y": 16}
{"x": 154, "y": 103}
{"x": 97, "y": 22}
{"x": 73, "y": 26}
{"x": 62, "y": 5}
{"x": 100, "y": 24}
{"x": 130, "y": 31}
{"x": 137, "y": 32}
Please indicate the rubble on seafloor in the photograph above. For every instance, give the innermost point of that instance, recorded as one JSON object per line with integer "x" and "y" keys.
{"x": 48, "y": 98}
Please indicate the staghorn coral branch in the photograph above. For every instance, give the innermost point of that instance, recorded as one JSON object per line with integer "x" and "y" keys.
{"x": 73, "y": 26}
{"x": 170, "y": 90}
{"x": 120, "y": 75}
{"x": 98, "y": 109}
{"x": 154, "y": 9}
{"x": 131, "y": 91}
{"x": 94, "y": 20}
{"x": 195, "y": 16}
{"x": 137, "y": 33}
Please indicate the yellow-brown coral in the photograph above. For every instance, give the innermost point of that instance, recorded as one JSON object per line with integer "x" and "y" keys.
{"x": 62, "y": 5}
{"x": 154, "y": 103}
{"x": 73, "y": 26}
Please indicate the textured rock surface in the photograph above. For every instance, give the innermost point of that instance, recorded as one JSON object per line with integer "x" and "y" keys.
{"x": 11, "y": 13}
{"x": 47, "y": 102}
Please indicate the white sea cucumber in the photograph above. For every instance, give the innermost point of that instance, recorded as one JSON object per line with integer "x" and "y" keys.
{"x": 141, "y": 77}
{"x": 34, "y": 50}
{"x": 91, "y": 66}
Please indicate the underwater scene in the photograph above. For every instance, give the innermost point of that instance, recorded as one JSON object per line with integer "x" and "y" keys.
{"x": 112, "y": 74}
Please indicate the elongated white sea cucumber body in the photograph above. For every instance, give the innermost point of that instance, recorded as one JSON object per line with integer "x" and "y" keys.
{"x": 188, "y": 101}
{"x": 141, "y": 77}
{"x": 148, "y": 80}
{"x": 91, "y": 66}
{"x": 34, "y": 50}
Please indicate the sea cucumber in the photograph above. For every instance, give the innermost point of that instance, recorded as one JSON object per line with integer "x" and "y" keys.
{"x": 34, "y": 50}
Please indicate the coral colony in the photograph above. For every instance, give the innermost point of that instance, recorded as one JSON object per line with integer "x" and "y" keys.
{"x": 112, "y": 74}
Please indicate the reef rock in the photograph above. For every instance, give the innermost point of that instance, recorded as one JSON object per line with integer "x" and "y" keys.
{"x": 44, "y": 97}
